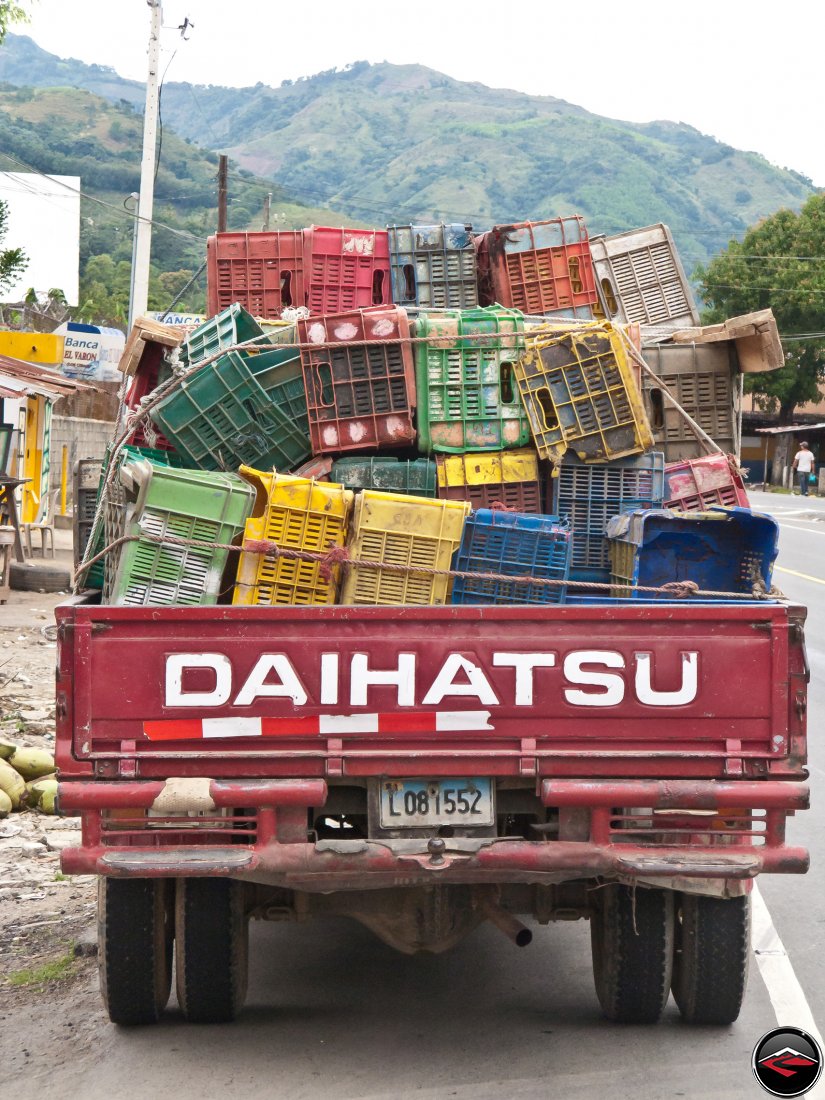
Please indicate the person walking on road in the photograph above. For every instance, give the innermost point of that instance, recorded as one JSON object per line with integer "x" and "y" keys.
{"x": 803, "y": 464}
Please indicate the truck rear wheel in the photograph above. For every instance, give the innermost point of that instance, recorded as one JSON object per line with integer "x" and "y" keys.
{"x": 710, "y": 965}
{"x": 211, "y": 934}
{"x": 632, "y": 941}
{"x": 134, "y": 948}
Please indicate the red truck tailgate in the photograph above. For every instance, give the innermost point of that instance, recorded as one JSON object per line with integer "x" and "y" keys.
{"x": 649, "y": 690}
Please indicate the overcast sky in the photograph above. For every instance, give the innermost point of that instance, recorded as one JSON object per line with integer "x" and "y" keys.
{"x": 742, "y": 70}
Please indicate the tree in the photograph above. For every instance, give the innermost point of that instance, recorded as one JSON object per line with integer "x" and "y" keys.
{"x": 780, "y": 264}
{"x": 13, "y": 261}
{"x": 10, "y": 13}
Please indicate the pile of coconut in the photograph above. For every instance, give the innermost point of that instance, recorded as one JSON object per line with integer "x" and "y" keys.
{"x": 28, "y": 779}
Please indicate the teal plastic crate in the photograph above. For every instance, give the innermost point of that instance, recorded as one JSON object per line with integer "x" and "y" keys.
{"x": 413, "y": 477}
{"x": 468, "y": 399}
{"x": 232, "y": 325}
{"x": 242, "y": 410}
{"x": 190, "y": 504}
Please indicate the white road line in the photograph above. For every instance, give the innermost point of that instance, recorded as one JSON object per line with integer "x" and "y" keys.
{"x": 796, "y": 527}
{"x": 790, "y": 1004}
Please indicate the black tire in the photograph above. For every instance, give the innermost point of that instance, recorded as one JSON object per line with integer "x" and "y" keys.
{"x": 211, "y": 949}
{"x": 631, "y": 935}
{"x": 38, "y": 578}
{"x": 710, "y": 965}
{"x": 134, "y": 948}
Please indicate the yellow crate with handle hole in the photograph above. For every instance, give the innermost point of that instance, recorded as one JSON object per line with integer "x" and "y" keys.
{"x": 579, "y": 391}
{"x": 297, "y": 513}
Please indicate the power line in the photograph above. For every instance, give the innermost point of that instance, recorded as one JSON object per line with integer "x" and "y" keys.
{"x": 101, "y": 202}
{"x": 767, "y": 289}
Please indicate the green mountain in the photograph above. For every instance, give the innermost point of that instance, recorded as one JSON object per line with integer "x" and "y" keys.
{"x": 402, "y": 142}
{"x": 69, "y": 131}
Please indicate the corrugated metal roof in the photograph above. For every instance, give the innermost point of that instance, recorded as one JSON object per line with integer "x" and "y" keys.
{"x": 23, "y": 378}
{"x": 793, "y": 428}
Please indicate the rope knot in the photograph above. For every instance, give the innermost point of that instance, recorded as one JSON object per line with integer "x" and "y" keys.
{"x": 336, "y": 555}
{"x": 681, "y": 589}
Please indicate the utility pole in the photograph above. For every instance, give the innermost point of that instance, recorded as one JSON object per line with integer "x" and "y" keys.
{"x": 223, "y": 168}
{"x": 135, "y": 197}
{"x": 267, "y": 204}
{"x": 143, "y": 230}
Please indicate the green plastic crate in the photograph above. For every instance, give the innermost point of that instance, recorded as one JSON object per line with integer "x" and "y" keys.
{"x": 241, "y": 410}
{"x": 96, "y": 575}
{"x": 194, "y": 504}
{"x": 232, "y": 325}
{"x": 467, "y": 394}
{"x": 413, "y": 477}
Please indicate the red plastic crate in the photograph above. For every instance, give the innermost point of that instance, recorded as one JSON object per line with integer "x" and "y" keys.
{"x": 262, "y": 271}
{"x": 361, "y": 388}
{"x": 697, "y": 483}
{"x": 346, "y": 269}
{"x": 538, "y": 267}
{"x": 148, "y": 377}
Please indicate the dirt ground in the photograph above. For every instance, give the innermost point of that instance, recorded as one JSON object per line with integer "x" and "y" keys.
{"x": 50, "y": 1008}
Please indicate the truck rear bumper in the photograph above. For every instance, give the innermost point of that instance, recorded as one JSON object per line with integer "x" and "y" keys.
{"x": 359, "y": 865}
{"x": 678, "y": 845}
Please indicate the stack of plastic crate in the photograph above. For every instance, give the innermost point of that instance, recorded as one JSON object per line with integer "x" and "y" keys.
{"x": 509, "y": 478}
{"x": 590, "y": 495}
{"x": 698, "y": 483}
{"x": 402, "y": 531}
{"x": 433, "y": 266}
{"x": 720, "y": 550}
{"x": 640, "y": 279}
{"x": 540, "y": 267}
{"x": 465, "y": 369}
{"x": 245, "y": 408}
{"x": 169, "y": 504}
{"x": 359, "y": 380}
{"x": 264, "y": 272}
{"x": 410, "y": 477}
{"x": 579, "y": 392}
{"x": 299, "y": 514}
{"x": 515, "y": 545}
{"x": 346, "y": 269}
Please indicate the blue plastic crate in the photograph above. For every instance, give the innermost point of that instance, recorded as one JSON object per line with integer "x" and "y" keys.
{"x": 518, "y": 545}
{"x": 589, "y": 496}
{"x": 721, "y": 550}
{"x": 433, "y": 266}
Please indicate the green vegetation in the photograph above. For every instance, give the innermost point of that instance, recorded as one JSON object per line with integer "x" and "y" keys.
{"x": 13, "y": 261}
{"x": 55, "y": 971}
{"x": 778, "y": 265}
{"x": 385, "y": 143}
{"x": 66, "y": 131}
{"x": 10, "y": 13}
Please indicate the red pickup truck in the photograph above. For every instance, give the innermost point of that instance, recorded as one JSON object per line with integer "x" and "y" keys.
{"x": 425, "y": 769}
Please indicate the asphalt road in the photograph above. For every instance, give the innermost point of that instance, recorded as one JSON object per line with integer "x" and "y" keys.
{"x": 331, "y": 1012}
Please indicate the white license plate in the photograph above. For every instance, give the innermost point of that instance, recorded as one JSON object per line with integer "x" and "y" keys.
{"x": 419, "y": 803}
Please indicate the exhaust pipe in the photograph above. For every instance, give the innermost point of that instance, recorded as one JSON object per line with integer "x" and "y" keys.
{"x": 519, "y": 933}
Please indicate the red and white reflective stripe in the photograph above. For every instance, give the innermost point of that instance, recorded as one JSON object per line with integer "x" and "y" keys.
{"x": 320, "y": 725}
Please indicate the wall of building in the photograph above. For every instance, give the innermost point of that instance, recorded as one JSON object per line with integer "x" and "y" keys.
{"x": 83, "y": 439}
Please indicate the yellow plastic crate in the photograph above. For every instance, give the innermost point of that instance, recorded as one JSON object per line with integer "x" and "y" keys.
{"x": 299, "y": 513}
{"x": 402, "y": 530}
{"x": 580, "y": 392}
{"x": 505, "y": 477}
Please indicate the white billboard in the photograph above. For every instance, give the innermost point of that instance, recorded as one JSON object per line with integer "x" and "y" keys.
{"x": 44, "y": 220}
